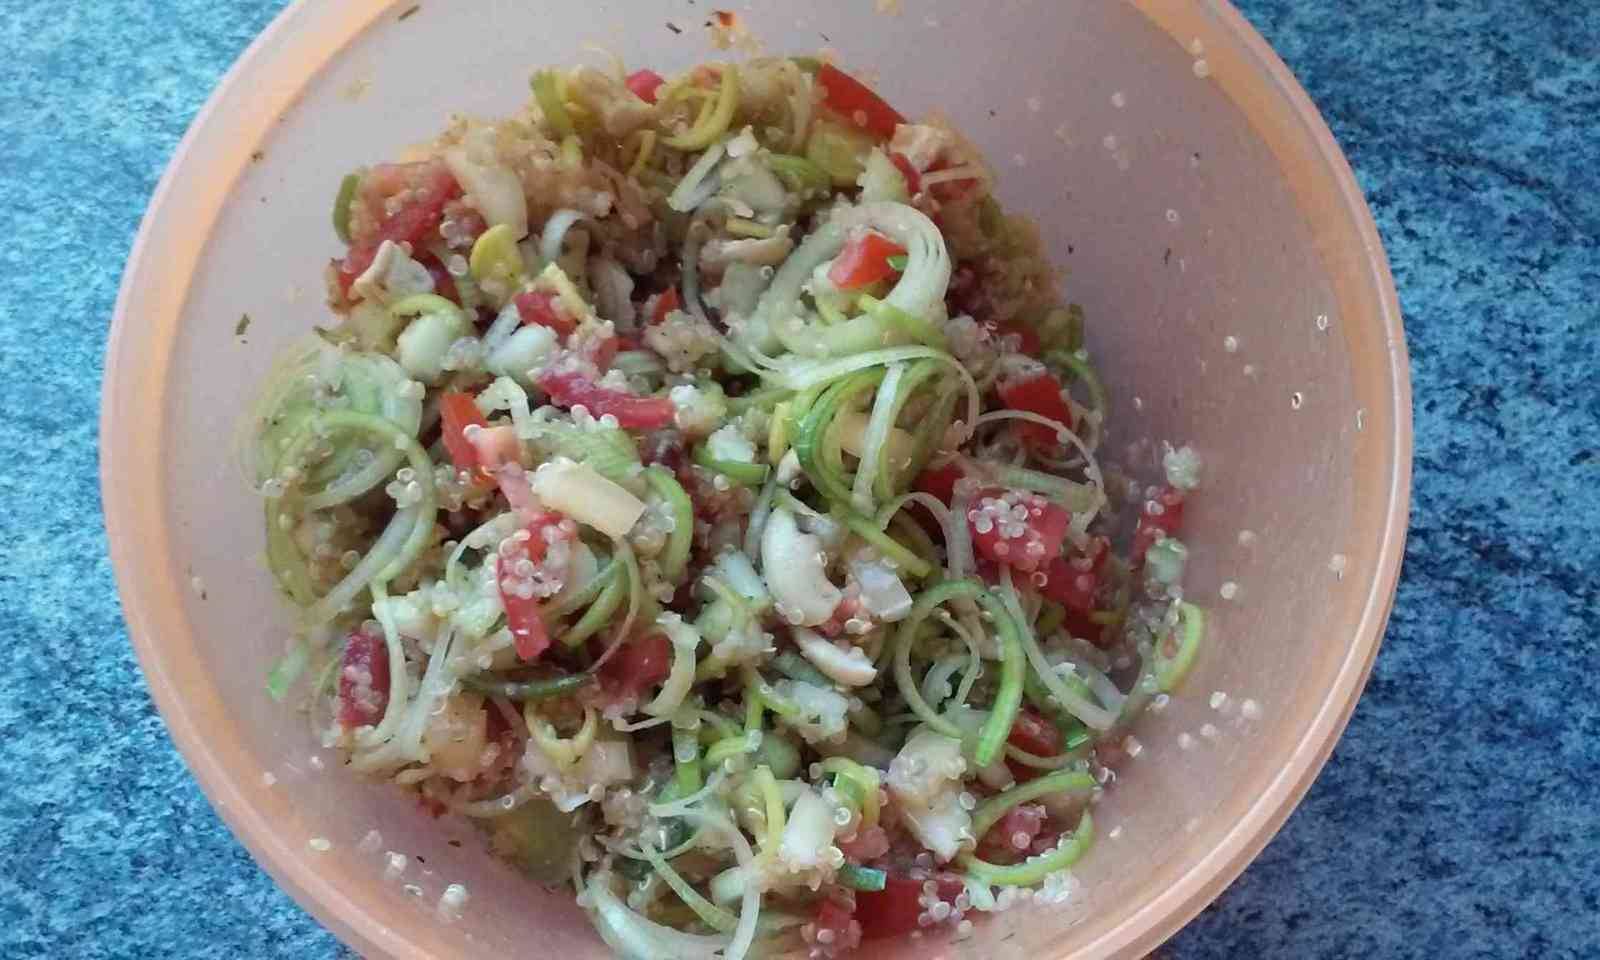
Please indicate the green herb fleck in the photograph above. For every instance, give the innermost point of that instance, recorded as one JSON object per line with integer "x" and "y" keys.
{"x": 243, "y": 325}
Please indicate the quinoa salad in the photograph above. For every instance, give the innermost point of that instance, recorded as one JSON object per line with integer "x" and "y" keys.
{"x": 696, "y": 488}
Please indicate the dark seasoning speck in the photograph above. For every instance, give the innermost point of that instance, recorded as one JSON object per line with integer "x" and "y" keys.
{"x": 674, "y": 27}
{"x": 408, "y": 12}
{"x": 243, "y": 325}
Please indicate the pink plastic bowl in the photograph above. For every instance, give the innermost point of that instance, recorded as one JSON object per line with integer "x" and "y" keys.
{"x": 1238, "y": 300}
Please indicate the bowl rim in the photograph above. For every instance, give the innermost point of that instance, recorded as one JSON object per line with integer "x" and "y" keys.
{"x": 134, "y": 379}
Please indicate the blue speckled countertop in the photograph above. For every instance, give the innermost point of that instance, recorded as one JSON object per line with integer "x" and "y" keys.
{"x": 1459, "y": 817}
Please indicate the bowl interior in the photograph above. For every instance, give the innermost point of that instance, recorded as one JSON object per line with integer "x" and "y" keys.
{"x": 1237, "y": 301}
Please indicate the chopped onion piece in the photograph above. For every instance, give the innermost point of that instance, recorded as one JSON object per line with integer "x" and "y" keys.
{"x": 576, "y": 490}
{"x": 849, "y": 667}
{"x": 795, "y": 568}
{"x": 882, "y": 592}
{"x": 697, "y": 184}
{"x": 685, "y": 639}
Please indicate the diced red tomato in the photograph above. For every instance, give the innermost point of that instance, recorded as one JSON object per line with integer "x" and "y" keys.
{"x": 497, "y": 727}
{"x": 666, "y": 302}
{"x": 848, "y": 607}
{"x": 571, "y": 389}
{"x": 469, "y": 223}
{"x": 1034, "y": 734}
{"x": 1159, "y": 518}
{"x": 640, "y": 664}
{"x": 1029, "y": 345}
{"x": 457, "y": 412}
{"x": 1009, "y": 840}
{"x": 542, "y": 307}
{"x": 1074, "y": 582}
{"x": 940, "y": 481}
{"x": 1015, "y": 527}
{"x": 833, "y": 932}
{"x": 893, "y": 911}
{"x": 868, "y": 843}
{"x": 952, "y": 191}
{"x": 604, "y": 351}
{"x": 528, "y": 630}
{"x": 443, "y": 284}
{"x": 855, "y": 101}
{"x": 913, "y": 178}
{"x": 518, "y": 493}
{"x": 1069, "y": 586}
{"x": 967, "y": 293}
{"x": 495, "y": 446}
{"x": 1037, "y": 392}
{"x": 363, "y": 679}
{"x": 428, "y": 187}
{"x": 864, "y": 261}
{"x": 645, "y": 84}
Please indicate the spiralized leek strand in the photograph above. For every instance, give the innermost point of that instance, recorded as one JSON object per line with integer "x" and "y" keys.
{"x": 865, "y": 778}
{"x": 905, "y": 531}
{"x": 989, "y": 812}
{"x": 974, "y": 656}
{"x": 497, "y": 806}
{"x": 1074, "y": 496}
{"x": 891, "y": 477}
{"x": 643, "y": 152}
{"x": 714, "y": 916}
{"x": 1082, "y": 370}
{"x": 879, "y": 423}
{"x": 714, "y": 118}
{"x": 399, "y": 682}
{"x": 1175, "y": 654}
{"x": 600, "y": 612}
{"x": 522, "y": 691}
{"x": 485, "y": 536}
{"x": 547, "y": 90}
{"x": 288, "y": 565}
{"x": 565, "y": 751}
{"x": 728, "y": 748}
{"x": 1090, "y": 713}
{"x": 798, "y": 173}
{"x": 773, "y": 798}
{"x": 820, "y": 458}
{"x": 1008, "y": 698}
{"x": 686, "y": 759}
{"x": 758, "y": 517}
{"x": 408, "y": 531}
{"x": 891, "y": 548}
{"x": 1076, "y": 755}
{"x": 288, "y": 669}
{"x": 1034, "y": 869}
{"x": 564, "y": 605}
{"x": 675, "y": 557}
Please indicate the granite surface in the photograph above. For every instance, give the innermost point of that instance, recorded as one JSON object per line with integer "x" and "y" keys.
{"x": 1459, "y": 817}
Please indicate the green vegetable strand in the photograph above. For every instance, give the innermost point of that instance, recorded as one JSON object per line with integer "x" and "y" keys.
{"x": 341, "y": 205}
{"x": 522, "y": 691}
{"x": 1008, "y": 698}
{"x": 675, "y": 558}
{"x": 862, "y": 878}
{"x": 1034, "y": 869}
